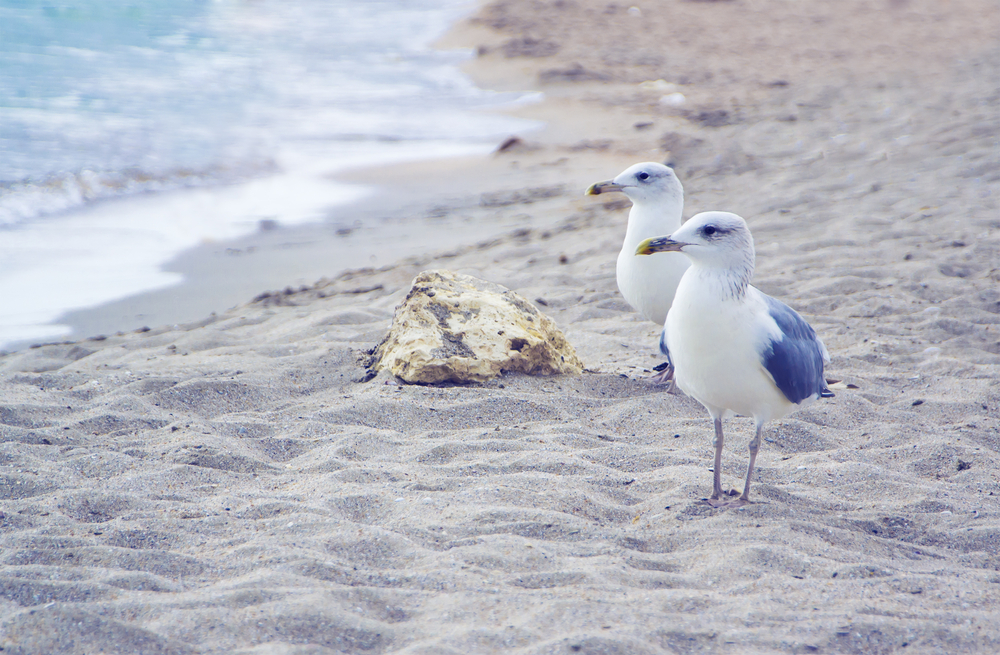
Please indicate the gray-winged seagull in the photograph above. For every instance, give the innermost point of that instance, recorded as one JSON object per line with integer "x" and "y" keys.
{"x": 657, "y": 203}
{"x": 735, "y": 349}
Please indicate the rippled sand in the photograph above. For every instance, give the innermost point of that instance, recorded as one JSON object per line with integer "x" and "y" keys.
{"x": 233, "y": 486}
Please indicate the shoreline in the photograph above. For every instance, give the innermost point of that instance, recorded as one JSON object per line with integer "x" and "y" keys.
{"x": 241, "y": 485}
{"x": 209, "y": 285}
{"x": 427, "y": 214}
{"x": 203, "y": 291}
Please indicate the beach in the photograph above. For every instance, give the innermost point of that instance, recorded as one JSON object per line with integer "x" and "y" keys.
{"x": 237, "y": 482}
{"x": 135, "y": 136}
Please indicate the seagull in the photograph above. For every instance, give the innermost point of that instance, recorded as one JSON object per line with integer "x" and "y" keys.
{"x": 657, "y": 202}
{"x": 735, "y": 349}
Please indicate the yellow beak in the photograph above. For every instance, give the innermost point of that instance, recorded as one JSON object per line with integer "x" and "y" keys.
{"x": 659, "y": 244}
{"x": 598, "y": 188}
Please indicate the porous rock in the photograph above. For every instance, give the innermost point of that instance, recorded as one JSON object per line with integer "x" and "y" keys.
{"x": 457, "y": 328}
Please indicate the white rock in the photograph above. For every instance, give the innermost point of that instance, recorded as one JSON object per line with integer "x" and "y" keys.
{"x": 457, "y": 328}
{"x": 673, "y": 100}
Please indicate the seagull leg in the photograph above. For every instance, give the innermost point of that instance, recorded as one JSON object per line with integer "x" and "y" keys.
{"x": 720, "y": 498}
{"x": 717, "y": 491}
{"x": 754, "y": 446}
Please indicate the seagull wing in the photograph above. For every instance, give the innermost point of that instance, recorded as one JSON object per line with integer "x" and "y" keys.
{"x": 793, "y": 355}
{"x": 663, "y": 346}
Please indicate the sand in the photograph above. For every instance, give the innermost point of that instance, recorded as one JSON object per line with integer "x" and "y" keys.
{"x": 233, "y": 486}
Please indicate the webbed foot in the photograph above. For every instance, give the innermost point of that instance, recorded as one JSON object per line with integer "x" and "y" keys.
{"x": 728, "y": 499}
{"x": 665, "y": 376}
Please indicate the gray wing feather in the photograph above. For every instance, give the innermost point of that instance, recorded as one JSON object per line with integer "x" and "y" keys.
{"x": 663, "y": 346}
{"x": 796, "y": 360}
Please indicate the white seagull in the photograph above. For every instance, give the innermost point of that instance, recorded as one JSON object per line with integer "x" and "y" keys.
{"x": 657, "y": 202}
{"x": 735, "y": 349}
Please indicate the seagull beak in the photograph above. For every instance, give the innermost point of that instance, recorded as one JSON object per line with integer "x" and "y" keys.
{"x": 603, "y": 187}
{"x": 659, "y": 244}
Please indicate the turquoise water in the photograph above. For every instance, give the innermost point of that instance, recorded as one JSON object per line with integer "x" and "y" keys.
{"x": 132, "y": 131}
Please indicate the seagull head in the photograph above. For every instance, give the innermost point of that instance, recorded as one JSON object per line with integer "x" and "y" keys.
{"x": 714, "y": 239}
{"x": 645, "y": 182}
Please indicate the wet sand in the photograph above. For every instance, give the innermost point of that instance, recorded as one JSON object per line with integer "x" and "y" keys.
{"x": 229, "y": 485}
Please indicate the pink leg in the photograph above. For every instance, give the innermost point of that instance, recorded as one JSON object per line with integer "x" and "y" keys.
{"x": 720, "y": 498}
{"x": 754, "y": 446}
{"x": 666, "y": 377}
{"x": 717, "y": 472}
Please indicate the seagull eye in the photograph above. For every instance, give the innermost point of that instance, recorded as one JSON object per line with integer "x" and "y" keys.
{"x": 643, "y": 176}
{"x": 709, "y": 230}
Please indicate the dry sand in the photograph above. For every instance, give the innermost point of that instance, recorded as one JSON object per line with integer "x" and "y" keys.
{"x": 230, "y": 486}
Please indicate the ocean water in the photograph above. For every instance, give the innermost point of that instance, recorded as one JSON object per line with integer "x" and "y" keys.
{"x": 130, "y": 132}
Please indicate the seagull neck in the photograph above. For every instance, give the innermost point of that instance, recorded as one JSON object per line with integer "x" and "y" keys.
{"x": 647, "y": 220}
{"x": 727, "y": 281}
